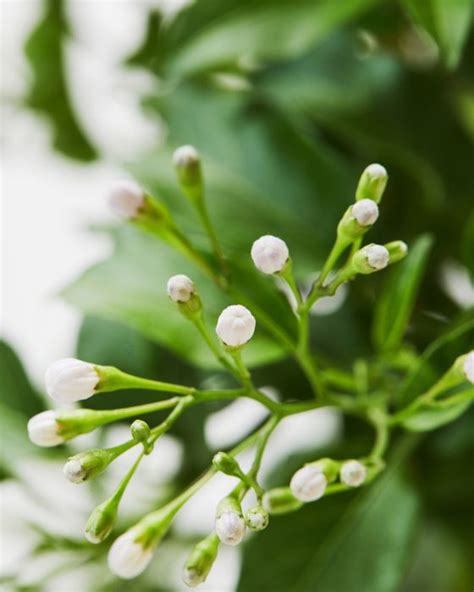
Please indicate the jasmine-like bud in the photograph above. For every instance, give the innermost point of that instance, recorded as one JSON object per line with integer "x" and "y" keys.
{"x": 309, "y": 483}
{"x": 130, "y": 555}
{"x": 200, "y": 561}
{"x": 101, "y": 521}
{"x": 353, "y": 473}
{"x": 397, "y": 250}
{"x": 230, "y": 524}
{"x": 226, "y": 463}
{"x": 257, "y": 518}
{"x": 270, "y": 254}
{"x": 127, "y": 199}
{"x": 188, "y": 168}
{"x": 43, "y": 429}
{"x": 180, "y": 288}
{"x": 235, "y": 325}
{"x": 87, "y": 465}
{"x": 365, "y": 211}
{"x": 70, "y": 380}
{"x": 372, "y": 183}
{"x": 468, "y": 367}
{"x": 281, "y": 501}
{"x": 140, "y": 431}
{"x": 370, "y": 258}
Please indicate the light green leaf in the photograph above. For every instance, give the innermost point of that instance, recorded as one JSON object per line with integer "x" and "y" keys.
{"x": 447, "y": 21}
{"x": 269, "y": 32}
{"x": 395, "y": 305}
{"x": 430, "y": 418}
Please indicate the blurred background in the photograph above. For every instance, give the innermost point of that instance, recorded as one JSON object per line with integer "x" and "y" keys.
{"x": 287, "y": 102}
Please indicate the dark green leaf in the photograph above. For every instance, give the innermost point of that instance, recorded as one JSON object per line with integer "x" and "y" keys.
{"x": 448, "y": 24}
{"x": 395, "y": 305}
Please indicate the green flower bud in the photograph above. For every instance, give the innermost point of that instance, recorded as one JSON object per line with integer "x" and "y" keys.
{"x": 188, "y": 169}
{"x": 257, "y": 518}
{"x": 101, "y": 521}
{"x": 397, "y": 250}
{"x": 140, "y": 430}
{"x": 281, "y": 501}
{"x": 225, "y": 463}
{"x": 370, "y": 258}
{"x": 200, "y": 561}
{"x": 372, "y": 183}
{"x": 87, "y": 465}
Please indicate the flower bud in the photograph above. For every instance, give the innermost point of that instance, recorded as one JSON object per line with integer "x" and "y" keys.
{"x": 370, "y": 258}
{"x": 226, "y": 463}
{"x": 468, "y": 367}
{"x": 87, "y": 465}
{"x": 280, "y": 501}
{"x": 101, "y": 521}
{"x": 188, "y": 168}
{"x": 127, "y": 199}
{"x": 270, "y": 254}
{"x": 353, "y": 473}
{"x": 43, "y": 429}
{"x": 180, "y": 288}
{"x": 129, "y": 556}
{"x": 69, "y": 380}
{"x": 235, "y": 325}
{"x": 257, "y": 518}
{"x": 372, "y": 183}
{"x": 397, "y": 250}
{"x": 141, "y": 432}
{"x": 309, "y": 483}
{"x": 365, "y": 211}
{"x": 230, "y": 524}
{"x": 200, "y": 561}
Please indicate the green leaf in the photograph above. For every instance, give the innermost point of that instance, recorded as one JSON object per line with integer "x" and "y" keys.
{"x": 448, "y": 24}
{"x": 247, "y": 33}
{"x": 348, "y": 542}
{"x": 396, "y": 303}
{"x": 48, "y": 93}
{"x": 430, "y": 418}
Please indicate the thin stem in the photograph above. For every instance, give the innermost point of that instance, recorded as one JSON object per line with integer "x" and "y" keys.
{"x": 261, "y": 445}
{"x": 244, "y": 374}
{"x": 214, "y": 347}
{"x": 125, "y": 481}
{"x": 113, "y": 379}
{"x": 381, "y": 436}
{"x": 158, "y": 431}
{"x": 209, "y": 228}
{"x": 126, "y": 412}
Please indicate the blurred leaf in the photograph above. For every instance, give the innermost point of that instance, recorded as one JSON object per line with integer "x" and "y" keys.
{"x": 334, "y": 545}
{"x": 448, "y": 24}
{"x": 430, "y": 418}
{"x": 48, "y": 93}
{"x": 245, "y": 33}
{"x": 131, "y": 288}
{"x": 395, "y": 305}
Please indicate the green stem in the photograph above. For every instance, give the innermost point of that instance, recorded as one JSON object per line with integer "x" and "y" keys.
{"x": 241, "y": 368}
{"x": 113, "y": 379}
{"x": 117, "y": 496}
{"x": 216, "y": 247}
{"x": 265, "y": 434}
{"x": 214, "y": 347}
{"x": 381, "y": 436}
{"x": 158, "y": 431}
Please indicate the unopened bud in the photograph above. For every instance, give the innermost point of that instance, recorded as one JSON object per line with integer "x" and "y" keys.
{"x": 370, "y": 258}
{"x": 101, "y": 521}
{"x": 397, "y": 250}
{"x": 309, "y": 483}
{"x": 141, "y": 432}
{"x": 353, "y": 473}
{"x": 180, "y": 288}
{"x": 127, "y": 199}
{"x": 235, "y": 325}
{"x": 87, "y": 465}
{"x": 50, "y": 428}
{"x": 270, "y": 254}
{"x": 188, "y": 168}
{"x": 257, "y": 518}
{"x": 365, "y": 211}
{"x": 44, "y": 430}
{"x": 372, "y": 183}
{"x": 129, "y": 556}
{"x": 200, "y": 561}
{"x": 230, "y": 523}
{"x": 225, "y": 463}
{"x": 468, "y": 367}
{"x": 281, "y": 501}
{"x": 70, "y": 380}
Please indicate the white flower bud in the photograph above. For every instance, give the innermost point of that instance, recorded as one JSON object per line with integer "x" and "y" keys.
{"x": 377, "y": 256}
{"x": 43, "y": 429}
{"x": 230, "y": 527}
{"x": 308, "y": 483}
{"x": 180, "y": 288}
{"x": 353, "y": 473}
{"x": 191, "y": 577}
{"x": 74, "y": 471}
{"x": 185, "y": 156}
{"x": 372, "y": 183}
{"x": 235, "y": 325}
{"x": 365, "y": 211}
{"x": 128, "y": 558}
{"x": 126, "y": 199}
{"x": 468, "y": 367}
{"x": 269, "y": 254}
{"x": 69, "y": 380}
{"x": 88, "y": 464}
